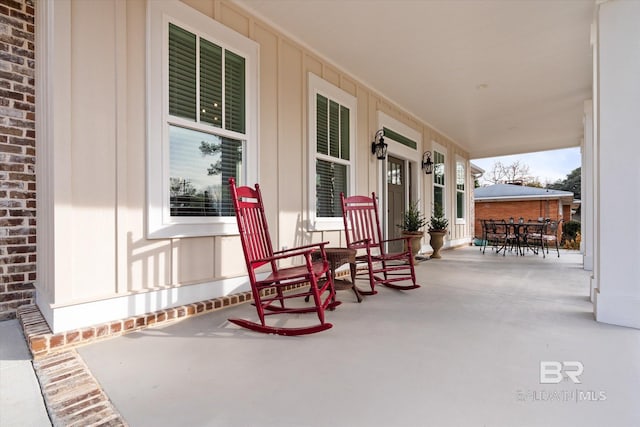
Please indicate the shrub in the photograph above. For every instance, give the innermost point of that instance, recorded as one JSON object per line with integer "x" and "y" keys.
{"x": 570, "y": 230}
{"x": 573, "y": 243}
{"x": 412, "y": 220}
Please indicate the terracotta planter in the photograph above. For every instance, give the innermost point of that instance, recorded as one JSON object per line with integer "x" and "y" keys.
{"x": 416, "y": 238}
{"x": 437, "y": 240}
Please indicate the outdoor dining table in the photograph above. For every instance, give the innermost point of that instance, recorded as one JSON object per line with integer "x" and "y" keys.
{"x": 526, "y": 235}
{"x": 512, "y": 234}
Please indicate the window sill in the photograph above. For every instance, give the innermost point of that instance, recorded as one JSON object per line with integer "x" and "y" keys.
{"x": 174, "y": 231}
{"x": 325, "y": 224}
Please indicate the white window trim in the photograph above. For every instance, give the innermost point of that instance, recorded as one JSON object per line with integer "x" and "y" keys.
{"x": 160, "y": 224}
{"x": 439, "y": 148}
{"x": 317, "y": 85}
{"x": 463, "y": 220}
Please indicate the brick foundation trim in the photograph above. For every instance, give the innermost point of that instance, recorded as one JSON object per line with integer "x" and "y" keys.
{"x": 71, "y": 394}
{"x": 42, "y": 342}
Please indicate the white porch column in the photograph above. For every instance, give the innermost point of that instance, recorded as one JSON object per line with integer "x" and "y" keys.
{"x": 53, "y": 145}
{"x": 586, "y": 204}
{"x": 617, "y": 204}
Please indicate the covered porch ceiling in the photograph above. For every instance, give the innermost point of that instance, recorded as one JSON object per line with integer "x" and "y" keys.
{"x": 499, "y": 77}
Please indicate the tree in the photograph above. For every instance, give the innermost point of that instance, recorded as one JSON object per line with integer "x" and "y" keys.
{"x": 514, "y": 173}
{"x": 212, "y": 149}
{"x": 181, "y": 186}
{"x": 571, "y": 183}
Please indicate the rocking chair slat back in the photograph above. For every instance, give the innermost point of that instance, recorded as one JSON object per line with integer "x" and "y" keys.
{"x": 252, "y": 225}
{"x": 361, "y": 222}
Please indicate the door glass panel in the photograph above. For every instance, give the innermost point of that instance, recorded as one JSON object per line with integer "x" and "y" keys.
{"x": 395, "y": 201}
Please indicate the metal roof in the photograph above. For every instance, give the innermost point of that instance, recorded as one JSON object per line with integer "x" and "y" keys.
{"x": 510, "y": 191}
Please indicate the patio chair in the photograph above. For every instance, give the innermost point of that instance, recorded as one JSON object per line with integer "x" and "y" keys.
{"x": 363, "y": 233}
{"x": 533, "y": 236}
{"x": 496, "y": 234}
{"x": 550, "y": 235}
{"x": 268, "y": 288}
{"x": 483, "y": 238}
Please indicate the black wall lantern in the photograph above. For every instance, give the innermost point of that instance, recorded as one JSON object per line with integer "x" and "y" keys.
{"x": 378, "y": 146}
{"x": 427, "y": 164}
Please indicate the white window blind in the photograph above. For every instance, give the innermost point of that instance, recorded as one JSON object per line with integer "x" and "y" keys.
{"x": 438, "y": 183}
{"x": 460, "y": 191}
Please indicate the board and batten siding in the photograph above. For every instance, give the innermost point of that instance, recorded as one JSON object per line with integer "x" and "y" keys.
{"x": 95, "y": 246}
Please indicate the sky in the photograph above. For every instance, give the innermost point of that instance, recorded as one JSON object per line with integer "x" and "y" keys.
{"x": 547, "y": 166}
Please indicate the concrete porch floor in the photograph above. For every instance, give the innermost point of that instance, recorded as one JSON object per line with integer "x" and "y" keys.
{"x": 463, "y": 350}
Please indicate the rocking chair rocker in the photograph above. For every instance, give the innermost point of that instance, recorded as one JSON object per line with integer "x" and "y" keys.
{"x": 363, "y": 232}
{"x": 268, "y": 293}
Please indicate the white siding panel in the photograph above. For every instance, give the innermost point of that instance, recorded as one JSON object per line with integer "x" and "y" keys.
{"x": 93, "y": 149}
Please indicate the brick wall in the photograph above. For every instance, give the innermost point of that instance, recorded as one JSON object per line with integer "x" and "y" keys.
{"x": 527, "y": 209}
{"x": 566, "y": 212}
{"x": 17, "y": 157}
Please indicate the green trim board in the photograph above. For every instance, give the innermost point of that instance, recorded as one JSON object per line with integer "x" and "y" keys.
{"x": 400, "y": 138}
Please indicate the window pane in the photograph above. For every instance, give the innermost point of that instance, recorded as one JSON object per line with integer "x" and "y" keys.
{"x": 438, "y": 201}
{"x": 344, "y": 133}
{"x": 200, "y": 167}
{"x": 234, "y": 80}
{"x": 210, "y": 83}
{"x": 331, "y": 180}
{"x": 394, "y": 173}
{"x": 322, "y": 124}
{"x": 459, "y": 204}
{"x": 438, "y": 168}
{"x": 460, "y": 176}
{"x": 334, "y": 129}
{"x": 182, "y": 73}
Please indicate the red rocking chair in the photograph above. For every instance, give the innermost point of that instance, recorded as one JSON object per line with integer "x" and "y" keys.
{"x": 363, "y": 233}
{"x": 268, "y": 292}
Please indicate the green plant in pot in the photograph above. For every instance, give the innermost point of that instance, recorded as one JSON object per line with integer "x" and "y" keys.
{"x": 412, "y": 222}
{"x": 437, "y": 230}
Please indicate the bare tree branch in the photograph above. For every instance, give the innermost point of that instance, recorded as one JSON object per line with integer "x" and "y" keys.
{"x": 514, "y": 173}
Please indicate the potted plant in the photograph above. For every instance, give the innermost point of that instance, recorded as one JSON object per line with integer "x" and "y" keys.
{"x": 412, "y": 222}
{"x": 437, "y": 230}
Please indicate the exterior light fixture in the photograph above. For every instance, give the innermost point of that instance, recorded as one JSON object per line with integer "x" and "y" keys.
{"x": 427, "y": 164}
{"x": 378, "y": 146}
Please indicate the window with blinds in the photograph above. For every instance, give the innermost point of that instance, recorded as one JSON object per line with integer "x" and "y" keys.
{"x": 202, "y": 108}
{"x": 332, "y": 155}
{"x": 206, "y": 85}
{"x": 460, "y": 197}
{"x": 438, "y": 183}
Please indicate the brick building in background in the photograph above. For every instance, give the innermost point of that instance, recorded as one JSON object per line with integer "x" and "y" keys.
{"x": 17, "y": 157}
{"x": 504, "y": 201}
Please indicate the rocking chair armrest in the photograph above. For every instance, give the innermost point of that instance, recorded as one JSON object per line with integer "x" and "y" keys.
{"x": 292, "y": 252}
{"x": 281, "y": 256}
{"x": 301, "y": 248}
{"x": 357, "y": 242}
